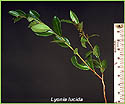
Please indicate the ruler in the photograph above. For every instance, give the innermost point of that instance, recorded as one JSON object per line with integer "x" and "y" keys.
{"x": 119, "y": 63}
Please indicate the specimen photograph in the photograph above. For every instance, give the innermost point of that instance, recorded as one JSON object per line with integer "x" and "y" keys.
{"x": 58, "y": 52}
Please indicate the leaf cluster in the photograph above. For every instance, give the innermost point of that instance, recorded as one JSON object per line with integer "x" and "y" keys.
{"x": 93, "y": 63}
{"x": 41, "y": 29}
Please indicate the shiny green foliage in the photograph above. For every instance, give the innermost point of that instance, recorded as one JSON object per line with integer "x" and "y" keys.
{"x": 57, "y": 26}
{"x": 76, "y": 51}
{"x": 41, "y": 29}
{"x": 96, "y": 51}
{"x": 77, "y": 65}
{"x": 17, "y": 19}
{"x": 14, "y": 13}
{"x": 18, "y": 14}
{"x": 103, "y": 66}
{"x": 30, "y": 18}
{"x": 83, "y": 42}
{"x": 32, "y": 24}
{"x": 73, "y": 17}
{"x": 47, "y": 33}
{"x": 96, "y": 63}
{"x": 34, "y": 14}
{"x": 61, "y": 41}
{"x": 90, "y": 62}
{"x": 21, "y": 13}
{"x": 88, "y": 54}
{"x": 66, "y": 21}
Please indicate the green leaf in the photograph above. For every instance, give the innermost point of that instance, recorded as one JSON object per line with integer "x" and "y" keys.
{"x": 67, "y": 41}
{"x": 21, "y": 13}
{"x": 90, "y": 62}
{"x": 62, "y": 45}
{"x": 80, "y": 26}
{"x": 34, "y": 14}
{"x": 93, "y": 35}
{"x": 32, "y": 24}
{"x": 48, "y": 33}
{"x": 83, "y": 42}
{"x": 57, "y": 41}
{"x": 14, "y": 13}
{"x": 40, "y": 28}
{"x": 17, "y": 19}
{"x": 77, "y": 65}
{"x": 88, "y": 54}
{"x": 96, "y": 63}
{"x": 58, "y": 38}
{"x": 67, "y": 21}
{"x": 57, "y": 25}
{"x": 61, "y": 42}
{"x": 76, "y": 51}
{"x": 102, "y": 70}
{"x": 96, "y": 51}
{"x": 73, "y": 17}
{"x": 29, "y": 19}
{"x": 104, "y": 64}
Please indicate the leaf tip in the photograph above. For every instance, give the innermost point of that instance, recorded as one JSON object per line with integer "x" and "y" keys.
{"x": 71, "y": 11}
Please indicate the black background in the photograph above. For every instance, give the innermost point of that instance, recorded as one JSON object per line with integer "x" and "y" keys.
{"x": 33, "y": 69}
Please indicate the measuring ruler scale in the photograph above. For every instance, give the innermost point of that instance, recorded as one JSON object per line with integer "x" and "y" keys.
{"x": 119, "y": 63}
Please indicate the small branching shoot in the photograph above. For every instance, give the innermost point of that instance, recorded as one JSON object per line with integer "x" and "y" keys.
{"x": 91, "y": 60}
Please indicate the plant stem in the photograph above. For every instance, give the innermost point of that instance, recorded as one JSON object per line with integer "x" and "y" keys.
{"x": 87, "y": 64}
{"x": 79, "y": 57}
{"x": 87, "y": 40}
{"x": 89, "y": 67}
{"x": 83, "y": 59}
{"x": 104, "y": 88}
{"x": 102, "y": 79}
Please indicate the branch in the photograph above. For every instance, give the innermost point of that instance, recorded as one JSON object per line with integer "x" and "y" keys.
{"x": 104, "y": 88}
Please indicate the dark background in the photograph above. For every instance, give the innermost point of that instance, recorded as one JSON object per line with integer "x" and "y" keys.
{"x": 33, "y": 69}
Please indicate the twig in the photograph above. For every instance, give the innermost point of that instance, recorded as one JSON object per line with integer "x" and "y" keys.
{"x": 104, "y": 88}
